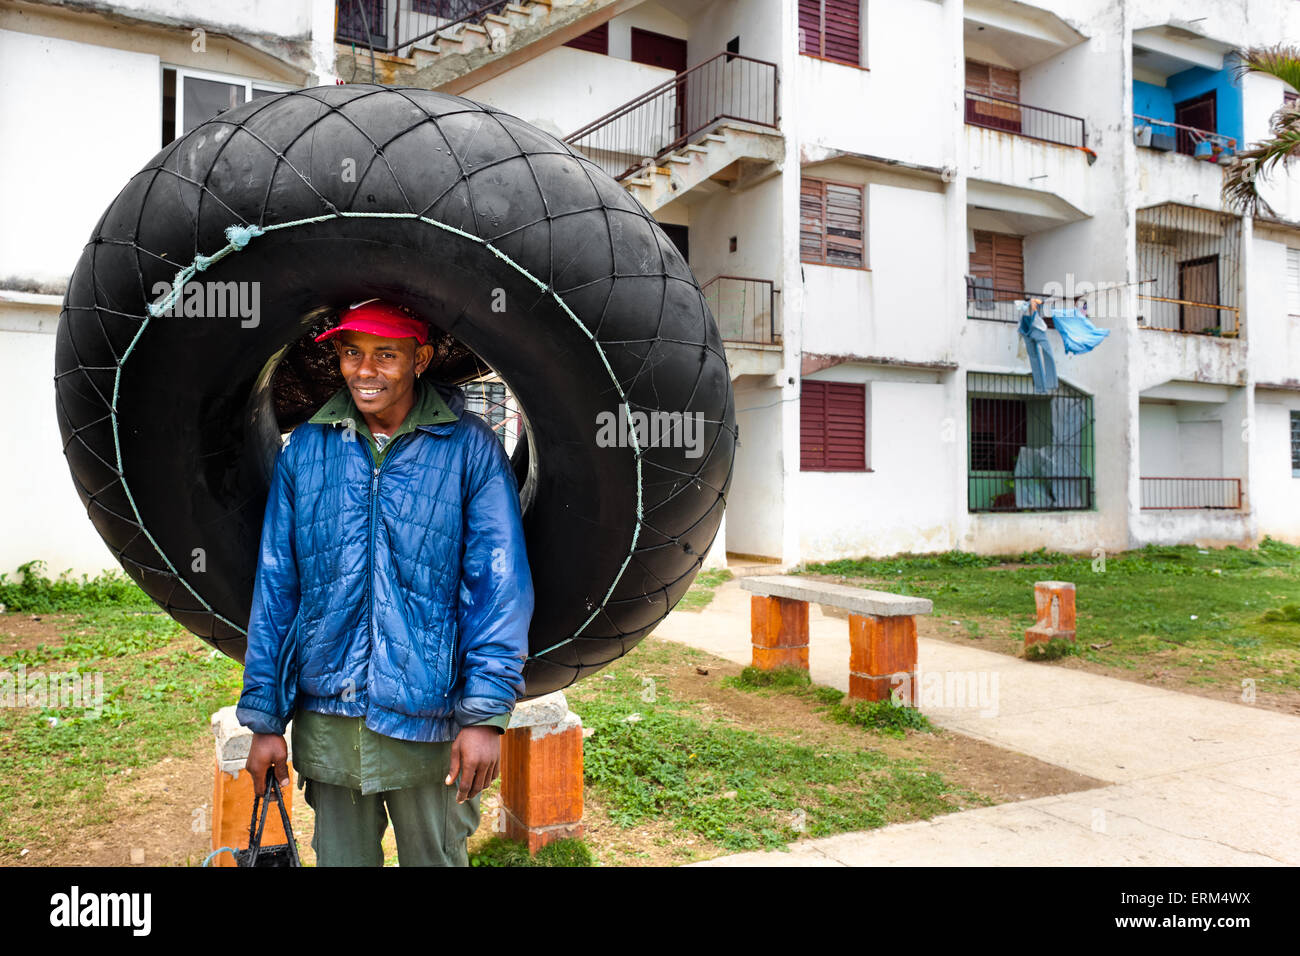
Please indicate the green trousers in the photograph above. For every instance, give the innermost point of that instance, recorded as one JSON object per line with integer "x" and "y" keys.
{"x": 430, "y": 826}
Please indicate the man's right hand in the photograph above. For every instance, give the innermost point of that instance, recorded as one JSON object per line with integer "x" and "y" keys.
{"x": 268, "y": 750}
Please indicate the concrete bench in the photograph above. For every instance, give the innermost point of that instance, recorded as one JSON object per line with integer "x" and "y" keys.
{"x": 882, "y": 630}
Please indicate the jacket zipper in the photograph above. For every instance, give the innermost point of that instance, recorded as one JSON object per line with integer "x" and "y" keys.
{"x": 370, "y": 551}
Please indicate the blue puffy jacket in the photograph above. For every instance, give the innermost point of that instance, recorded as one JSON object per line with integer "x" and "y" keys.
{"x": 401, "y": 593}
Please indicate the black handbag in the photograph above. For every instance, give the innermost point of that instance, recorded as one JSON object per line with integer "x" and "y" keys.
{"x": 283, "y": 854}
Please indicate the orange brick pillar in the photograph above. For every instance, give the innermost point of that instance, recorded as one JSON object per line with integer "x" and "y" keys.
{"x": 1054, "y": 603}
{"x": 778, "y": 628}
{"x": 232, "y": 790}
{"x": 541, "y": 773}
{"x": 882, "y": 652}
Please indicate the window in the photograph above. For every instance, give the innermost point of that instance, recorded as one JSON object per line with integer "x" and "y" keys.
{"x": 1293, "y": 282}
{"x": 490, "y": 402}
{"x": 593, "y": 41}
{"x": 832, "y": 426}
{"x": 1028, "y": 451}
{"x": 191, "y": 98}
{"x": 1295, "y": 444}
{"x": 998, "y": 262}
{"x": 831, "y": 216}
{"x": 831, "y": 29}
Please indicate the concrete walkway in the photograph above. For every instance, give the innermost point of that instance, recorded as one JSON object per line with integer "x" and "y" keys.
{"x": 1194, "y": 781}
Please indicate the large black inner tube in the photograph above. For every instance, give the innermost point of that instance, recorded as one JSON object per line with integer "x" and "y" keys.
{"x": 526, "y": 258}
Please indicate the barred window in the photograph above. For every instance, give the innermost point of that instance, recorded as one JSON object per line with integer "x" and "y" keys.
{"x": 1295, "y": 444}
{"x": 1028, "y": 451}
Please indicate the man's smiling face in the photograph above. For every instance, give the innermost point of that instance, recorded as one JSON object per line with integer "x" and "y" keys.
{"x": 379, "y": 371}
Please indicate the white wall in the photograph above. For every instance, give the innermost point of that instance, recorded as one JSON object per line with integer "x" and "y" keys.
{"x": 41, "y": 516}
{"x": 755, "y": 502}
{"x": 565, "y": 89}
{"x": 1276, "y": 493}
{"x": 903, "y": 106}
{"x": 68, "y": 144}
{"x": 901, "y": 504}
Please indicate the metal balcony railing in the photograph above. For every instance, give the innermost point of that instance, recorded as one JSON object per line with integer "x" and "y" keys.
{"x": 1166, "y": 136}
{"x": 1034, "y": 122}
{"x": 724, "y": 87}
{"x": 744, "y": 308}
{"x": 390, "y": 26}
{"x": 1222, "y": 494}
{"x": 1006, "y": 305}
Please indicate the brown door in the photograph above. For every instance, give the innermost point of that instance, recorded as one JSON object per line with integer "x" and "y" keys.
{"x": 1198, "y": 281}
{"x": 1199, "y": 113}
{"x": 656, "y": 49}
{"x": 1000, "y": 260}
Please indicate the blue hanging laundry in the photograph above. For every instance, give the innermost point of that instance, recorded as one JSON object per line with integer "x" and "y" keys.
{"x": 1078, "y": 334}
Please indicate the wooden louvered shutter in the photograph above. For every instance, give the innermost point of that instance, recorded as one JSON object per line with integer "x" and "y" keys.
{"x": 1001, "y": 258}
{"x": 831, "y": 29}
{"x": 832, "y": 426}
{"x": 844, "y": 225}
{"x": 812, "y": 426}
{"x": 999, "y": 83}
{"x": 810, "y": 27}
{"x": 812, "y": 221}
{"x": 846, "y": 427}
{"x": 594, "y": 41}
{"x": 840, "y": 31}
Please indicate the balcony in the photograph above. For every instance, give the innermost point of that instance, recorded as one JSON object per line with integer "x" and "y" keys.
{"x": 1005, "y": 305}
{"x": 1033, "y": 122}
{"x": 745, "y": 309}
{"x": 710, "y": 127}
{"x": 385, "y": 26}
{"x": 643, "y": 131}
{"x": 1181, "y": 494}
{"x": 1188, "y": 260}
{"x": 1165, "y": 136}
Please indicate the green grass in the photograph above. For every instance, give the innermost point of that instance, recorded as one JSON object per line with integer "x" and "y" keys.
{"x": 1226, "y": 609}
{"x": 499, "y": 851}
{"x": 35, "y": 593}
{"x": 700, "y": 594}
{"x": 737, "y": 788}
{"x": 882, "y": 717}
{"x": 160, "y": 686}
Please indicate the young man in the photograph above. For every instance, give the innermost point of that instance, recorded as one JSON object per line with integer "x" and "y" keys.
{"x": 391, "y": 605}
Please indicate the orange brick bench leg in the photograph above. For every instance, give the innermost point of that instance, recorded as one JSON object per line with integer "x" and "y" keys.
{"x": 778, "y": 628}
{"x": 232, "y": 791}
{"x": 541, "y": 773}
{"x": 1054, "y": 604}
{"x": 880, "y": 648}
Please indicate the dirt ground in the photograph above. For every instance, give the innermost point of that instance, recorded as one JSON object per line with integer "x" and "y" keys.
{"x": 161, "y": 808}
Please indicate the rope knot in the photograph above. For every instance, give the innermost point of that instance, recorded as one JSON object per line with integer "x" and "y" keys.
{"x": 239, "y": 236}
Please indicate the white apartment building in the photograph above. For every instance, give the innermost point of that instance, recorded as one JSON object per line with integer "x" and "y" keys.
{"x": 864, "y": 188}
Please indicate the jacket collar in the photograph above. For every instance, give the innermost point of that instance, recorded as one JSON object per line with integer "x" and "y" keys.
{"x": 430, "y": 408}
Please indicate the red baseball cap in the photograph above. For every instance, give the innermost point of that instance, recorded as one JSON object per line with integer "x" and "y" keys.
{"x": 379, "y": 318}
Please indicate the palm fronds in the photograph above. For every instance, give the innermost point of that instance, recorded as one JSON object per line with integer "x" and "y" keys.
{"x": 1241, "y": 179}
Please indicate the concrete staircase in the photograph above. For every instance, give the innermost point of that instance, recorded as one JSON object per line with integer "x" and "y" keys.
{"x": 467, "y": 54}
{"x": 732, "y": 155}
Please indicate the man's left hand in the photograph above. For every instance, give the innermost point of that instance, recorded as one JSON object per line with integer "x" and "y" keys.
{"x": 476, "y": 757}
